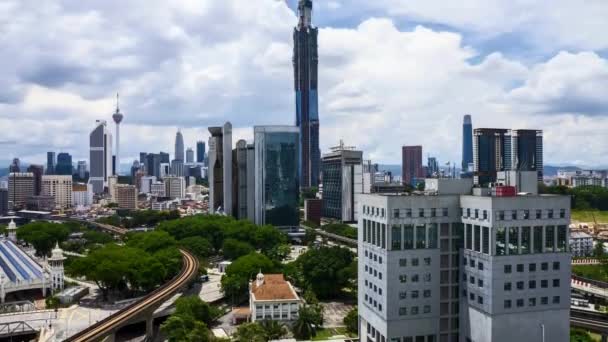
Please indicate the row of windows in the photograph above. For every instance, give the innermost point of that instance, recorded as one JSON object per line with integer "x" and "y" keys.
{"x": 520, "y": 285}
{"x": 414, "y": 310}
{"x": 408, "y": 236}
{"x": 375, "y": 334}
{"x": 374, "y": 257}
{"x": 508, "y": 303}
{"x": 421, "y": 212}
{"x": 373, "y": 211}
{"x": 544, "y": 266}
{"x": 517, "y": 240}
{"x": 472, "y": 263}
{"x": 414, "y": 294}
{"x": 415, "y": 278}
{"x": 373, "y": 287}
{"x": 414, "y": 262}
{"x": 525, "y": 240}
{"x": 374, "y": 233}
{"x": 373, "y": 272}
{"x": 429, "y": 338}
{"x": 373, "y": 302}
{"x": 502, "y": 215}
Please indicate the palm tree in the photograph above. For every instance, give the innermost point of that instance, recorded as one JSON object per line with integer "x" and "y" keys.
{"x": 309, "y": 318}
{"x": 274, "y": 329}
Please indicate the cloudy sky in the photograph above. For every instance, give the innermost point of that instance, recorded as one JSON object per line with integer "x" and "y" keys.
{"x": 392, "y": 72}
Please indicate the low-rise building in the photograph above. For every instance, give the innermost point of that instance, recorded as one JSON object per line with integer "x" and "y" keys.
{"x": 581, "y": 244}
{"x": 271, "y": 297}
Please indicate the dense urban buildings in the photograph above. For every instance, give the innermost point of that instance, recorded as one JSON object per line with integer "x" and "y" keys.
{"x": 20, "y": 187}
{"x": 200, "y": 151}
{"x": 243, "y": 160}
{"x": 582, "y": 178}
{"x": 467, "y": 144}
{"x": 100, "y": 159}
{"x": 117, "y": 117}
{"x": 464, "y": 264}
{"x": 220, "y": 169}
{"x": 342, "y": 180}
{"x": 305, "y": 63}
{"x": 60, "y": 188}
{"x": 276, "y": 175}
{"x": 153, "y": 164}
{"x": 189, "y": 155}
{"x": 411, "y": 159}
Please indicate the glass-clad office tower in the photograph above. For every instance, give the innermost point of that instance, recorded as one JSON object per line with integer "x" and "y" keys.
{"x": 305, "y": 62}
{"x": 467, "y": 143}
{"x": 276, "y": 175}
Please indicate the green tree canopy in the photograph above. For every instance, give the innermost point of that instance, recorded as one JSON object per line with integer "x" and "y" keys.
{"x": 43, "y": 235}
{"x": 235, "y": 282}
{"x": 151, "y": 242}
{"x": 200, "y": 246}
{"x": 579, "y": 335}
{"x": 250, "y": 332}
{"x": 326, "y": 270}
{"x": 234, "y": 249}
{"x": 351, "y": 321}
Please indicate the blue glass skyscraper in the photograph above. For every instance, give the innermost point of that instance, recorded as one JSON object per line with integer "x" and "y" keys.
{"x": 467, "y": 143}
{"x": 305, "y": 62}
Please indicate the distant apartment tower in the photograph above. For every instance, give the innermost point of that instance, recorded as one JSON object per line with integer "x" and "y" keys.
{"x": 220, "y": 169}
{"x": 64, "y": 164}
{"x": 20, "y": 187}
{"x": 243, "y": 175}
{"x": 37, "y": 171}
{"x": 50, "y": 163}
{"x": 82, "y": 195}
{"x": 189, "y": 155}
{"x": 126, "y": 196}
{"x": 179, "y": 146}
{"x": 489, "y": 156}
{"x": 175, "y": 187}
{"x": 3, "y": 202}
{"x": 152, "y": 163}
{"x": 462, "y": 264}
{"x": 276, "y": 175}
{"x": 200, "y": 151}
{"x": 81, "y": 169}
{"x": 177, "y": 167}
{"x": 525, "y": 151}
{"x": 498, "y": 150}
{"x": 342, "y": 181}
{"x": 60, "y": 188}
{"x": 411, "y": 165}
{"x": 15, "y": 166}
{"x": 100, "y": 159}
{"x": 432, "y": 167}
{"x": 467, "y": 143}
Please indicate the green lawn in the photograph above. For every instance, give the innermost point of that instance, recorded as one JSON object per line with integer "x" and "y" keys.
{"x": 587, "y": 216}
{"x": 324, "y": 334}
{"x": 596, "y": 272}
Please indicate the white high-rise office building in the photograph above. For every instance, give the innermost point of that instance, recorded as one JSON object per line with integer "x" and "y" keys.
{"x": 60, "y": 187}
{"x": 175, "y": 187}
{"x": 100, "y": 142}
{"x": 463, "y": 264}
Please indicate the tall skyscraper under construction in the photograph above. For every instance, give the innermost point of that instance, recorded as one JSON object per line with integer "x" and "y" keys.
{"x": 305, "y": 62}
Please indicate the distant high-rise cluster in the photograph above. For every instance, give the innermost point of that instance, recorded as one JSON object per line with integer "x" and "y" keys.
{"x": 305, "y": 65}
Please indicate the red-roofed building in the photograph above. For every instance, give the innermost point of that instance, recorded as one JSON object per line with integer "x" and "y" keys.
{"x": 272, "y": 297}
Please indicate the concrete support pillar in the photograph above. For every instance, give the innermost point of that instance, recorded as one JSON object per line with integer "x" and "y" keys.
{"x": 150, "y": 327}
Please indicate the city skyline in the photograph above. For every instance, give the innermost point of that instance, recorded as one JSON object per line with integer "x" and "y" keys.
{"x": 508, "y": 77}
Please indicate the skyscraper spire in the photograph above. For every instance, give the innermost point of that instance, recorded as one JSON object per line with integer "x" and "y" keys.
{"x": 305, "y": 13}
{"x": 117, "y": 107}
{"x": 117, "y": 117}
